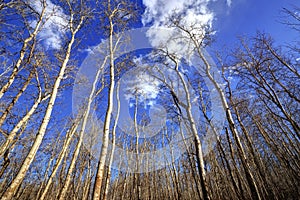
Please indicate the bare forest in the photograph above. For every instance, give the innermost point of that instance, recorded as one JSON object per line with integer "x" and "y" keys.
{"x": 230, "y": 119}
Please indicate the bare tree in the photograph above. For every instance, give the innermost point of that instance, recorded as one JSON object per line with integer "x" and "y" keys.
{"x": 73, "y": 28}
{"x": 253, "y": 155}
{"x": 26, "y": 42}
{"x": 117, "y": 14}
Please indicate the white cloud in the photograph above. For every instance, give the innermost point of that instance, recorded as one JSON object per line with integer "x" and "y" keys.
{"x": 55, "y": 22}
{"x": 229, "y": 2}
{"x": 89, "y": 50}
{"x": 194, "y": 15}
{"x": 143, "y": 85}
{"x": 191, "y": 11}
{"x": 140, "y": 83}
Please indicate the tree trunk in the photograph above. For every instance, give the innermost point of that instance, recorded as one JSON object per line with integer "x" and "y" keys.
{"x": 23, "y": 51}
{"x": 16, "y": 182}
{"x": 106, "y": 128}
{"x": 113, "y": 144}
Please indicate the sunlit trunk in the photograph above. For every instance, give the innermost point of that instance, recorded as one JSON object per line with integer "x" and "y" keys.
{"x": 16, "y": 182}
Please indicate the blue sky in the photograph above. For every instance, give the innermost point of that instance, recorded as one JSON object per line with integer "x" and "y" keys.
{"x": 230, "y": 18}
{"x": 245, "y": 17}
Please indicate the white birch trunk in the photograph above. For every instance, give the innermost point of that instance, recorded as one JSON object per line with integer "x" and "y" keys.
{"x": 81, "y": 133}
{"x": 9, "y": 140}
{"x": 113, "y": 143}
{"x": 60, "y": 159}
{"x": 105, "y": 139}
{"x": 16, "y": 182}
{"x": 252, "y": 184}
{"x": 200, "y": 159}
{"x": 22, "y": 53}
